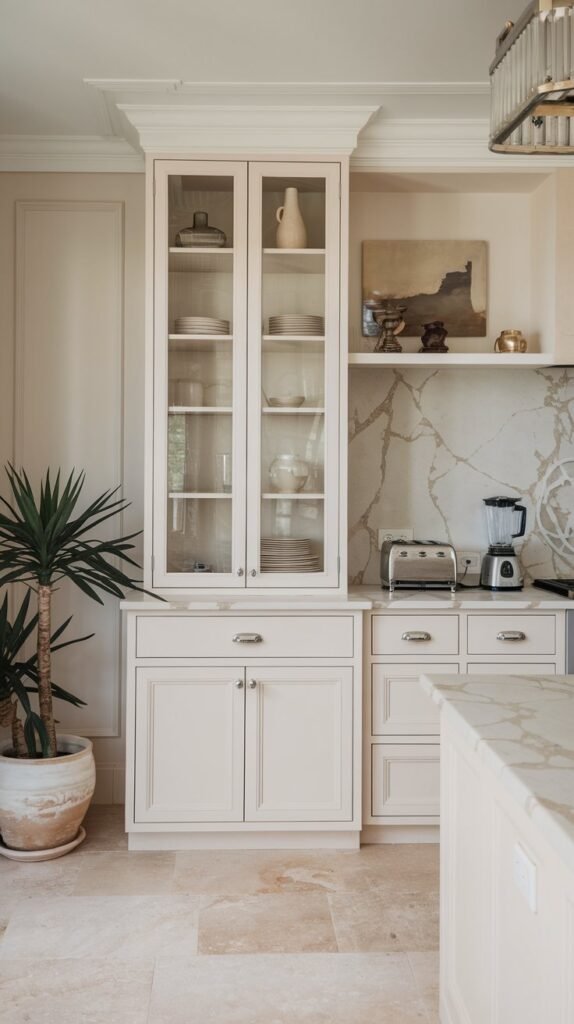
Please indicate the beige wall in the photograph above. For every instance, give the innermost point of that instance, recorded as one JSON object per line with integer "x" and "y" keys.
{"x": 72, "y": 387}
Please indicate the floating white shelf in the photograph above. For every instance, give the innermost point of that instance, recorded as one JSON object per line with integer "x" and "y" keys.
{"x": 177, "y": 410}
{"x": 209, "y": 495}
{"x": 298, "y": 495}
{"x": 404, "y": 360}
{"x": 308, "y": 410}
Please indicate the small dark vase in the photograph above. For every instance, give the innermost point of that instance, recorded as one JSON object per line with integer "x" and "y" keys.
{"x": 201, "y": 234}
{"x": 433, "y": 337}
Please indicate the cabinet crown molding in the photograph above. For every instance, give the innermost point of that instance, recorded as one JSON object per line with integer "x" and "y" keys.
{"x": 191, "y": 129}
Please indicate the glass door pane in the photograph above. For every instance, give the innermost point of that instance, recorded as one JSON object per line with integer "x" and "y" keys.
{"x": 200, "y": 356}
{"x": 294, "y": 347}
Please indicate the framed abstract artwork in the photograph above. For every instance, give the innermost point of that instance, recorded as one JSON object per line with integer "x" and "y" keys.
{"x": 435, "y": 280}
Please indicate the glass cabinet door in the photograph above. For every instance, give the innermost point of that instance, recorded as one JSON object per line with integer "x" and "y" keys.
{"x": 200, "y": 312}
{"x": 293, "y": 401}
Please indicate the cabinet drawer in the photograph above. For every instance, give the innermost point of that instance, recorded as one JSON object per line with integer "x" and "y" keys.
{"x": 414, "y": 634}
{"x": 525, "y": 634}
{"x": 405, "y": 779}
{"x": 399, "y": 705}
{"x": 258, "y": 636}
{"x": 503, "y": 668}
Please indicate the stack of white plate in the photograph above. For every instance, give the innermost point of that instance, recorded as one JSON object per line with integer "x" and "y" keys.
{"x": 288, "y": 554}
{"x": 296, "y": 324}
{"x": 201, "y": 325}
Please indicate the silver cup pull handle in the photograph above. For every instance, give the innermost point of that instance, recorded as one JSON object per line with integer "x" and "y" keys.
{"x": 511, "y": 634}
{"x": 248, "y": 638}
{"x": 418, "y": 636}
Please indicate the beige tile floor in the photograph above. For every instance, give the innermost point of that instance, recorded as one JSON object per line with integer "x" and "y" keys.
{"x": 104, "y": 936}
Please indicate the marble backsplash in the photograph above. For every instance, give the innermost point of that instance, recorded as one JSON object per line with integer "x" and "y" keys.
{"x": 427, "y": 445}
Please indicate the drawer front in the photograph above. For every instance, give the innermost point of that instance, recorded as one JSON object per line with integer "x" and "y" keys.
{"x": 512, "y": 635}
{"x": 399, "y": 705}
{"x": 504, "y": 668}
{"x": 414, "y": 634}
{"x": 405, "y": 779}
{"x": 257, "y": 636}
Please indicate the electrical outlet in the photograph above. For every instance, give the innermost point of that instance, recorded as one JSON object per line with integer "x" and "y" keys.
{"x": 395, "y": 533}
{"x": 468, "y": 561}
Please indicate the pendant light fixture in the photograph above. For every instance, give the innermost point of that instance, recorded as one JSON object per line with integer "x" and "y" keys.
{"x": 532, "y": 82}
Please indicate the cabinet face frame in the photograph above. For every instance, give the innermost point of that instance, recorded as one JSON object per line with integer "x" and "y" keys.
{"x": 163, "y": 169}
{"x": 331, "y": 173}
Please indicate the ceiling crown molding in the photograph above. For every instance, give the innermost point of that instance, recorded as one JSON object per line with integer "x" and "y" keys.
{"x": 437, "y": 144}
{"x": 73, "y": 153}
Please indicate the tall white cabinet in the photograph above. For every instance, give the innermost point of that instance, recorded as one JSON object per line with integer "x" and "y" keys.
{"x": 244, "y": 689}
{"x": 247, "y": 448}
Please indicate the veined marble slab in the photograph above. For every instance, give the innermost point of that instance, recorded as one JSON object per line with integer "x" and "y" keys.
{"x": 529, "y": 599}
{"x": 522, "y": 727}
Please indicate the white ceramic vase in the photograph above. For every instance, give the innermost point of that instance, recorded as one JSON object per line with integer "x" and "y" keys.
{"x": 43, "y": 800}
{"x": 291, "y": 231}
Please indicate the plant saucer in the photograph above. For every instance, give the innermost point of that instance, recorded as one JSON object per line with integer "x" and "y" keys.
{"x": 31, "y": 856}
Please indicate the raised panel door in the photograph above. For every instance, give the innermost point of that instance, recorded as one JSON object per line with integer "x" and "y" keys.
{"x": 189, "y": 744}
{"x": 299, "y": 744}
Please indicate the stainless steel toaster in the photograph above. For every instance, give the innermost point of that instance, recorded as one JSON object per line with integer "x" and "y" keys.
{"x": 418, "y": 564}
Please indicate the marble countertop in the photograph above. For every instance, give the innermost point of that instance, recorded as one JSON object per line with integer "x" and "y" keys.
{"x": 529, "y": 599}
{"x": 245, "y": 602}
{"x": 522, "y": 727}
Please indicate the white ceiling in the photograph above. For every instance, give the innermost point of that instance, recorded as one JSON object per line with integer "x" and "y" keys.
{"x": 47, "y": 49}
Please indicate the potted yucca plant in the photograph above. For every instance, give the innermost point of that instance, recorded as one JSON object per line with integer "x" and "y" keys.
{"x": 47, "y": 781}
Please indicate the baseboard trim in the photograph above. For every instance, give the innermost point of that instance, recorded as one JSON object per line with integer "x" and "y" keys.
{"x": 379, "y": 834}
{"x": 243, "y": 841}
{"x": 110, "y": 783}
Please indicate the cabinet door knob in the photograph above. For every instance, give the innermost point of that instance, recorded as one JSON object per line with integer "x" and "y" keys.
{"x": 239, "y": 684}
{"x": 253, "y": 572}
{"x": 240, "y": 571}
{"x": 417, "y": 636}
{"x": 247, "y": 638}
{"x": 511, "y": 634}
{"x": 252, "y": 684}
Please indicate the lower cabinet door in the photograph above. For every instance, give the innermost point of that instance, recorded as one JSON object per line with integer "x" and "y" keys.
{"x": 189, "y": 744}
{"x": 405, "y": 780}
{"x": 299, "y": 744}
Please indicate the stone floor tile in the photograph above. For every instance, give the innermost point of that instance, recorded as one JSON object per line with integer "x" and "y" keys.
{"x": 375, "y": 922}
{"x": 310, "y": 989}
{"x": 125, "y": 874}
{"x": 287, "y": 923}
{"x": 73, "y": 991}
{"x": 425, "y": 968}
{"x": 104, "y": 825}
{"x": 250, "y": 872}
{"x": 126, "y": 927}
{"x": 392, "y": 867}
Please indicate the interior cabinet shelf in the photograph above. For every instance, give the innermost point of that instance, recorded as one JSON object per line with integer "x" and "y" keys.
{"x": 300, "y": 410}
{"x": 200, "y": 494}
{"x": 403, "y": 360}
{"x": 183, "y": 410}
{"x": 201, "y": 260}
{"x": 298, "y": 495}
{"x": 209, "y": 342}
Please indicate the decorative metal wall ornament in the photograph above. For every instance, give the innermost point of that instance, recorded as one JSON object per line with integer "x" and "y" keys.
{"x": 532, "y": 82}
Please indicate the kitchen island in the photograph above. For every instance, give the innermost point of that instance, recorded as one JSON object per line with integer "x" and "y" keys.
{"x": 507, "y": 848}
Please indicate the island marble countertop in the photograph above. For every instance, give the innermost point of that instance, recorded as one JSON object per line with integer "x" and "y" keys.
{"x": 469, "y": 599}
{"x": 522, "y": 727}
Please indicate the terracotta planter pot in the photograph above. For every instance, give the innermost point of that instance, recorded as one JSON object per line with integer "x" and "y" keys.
{"x": 43, "y": 802}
